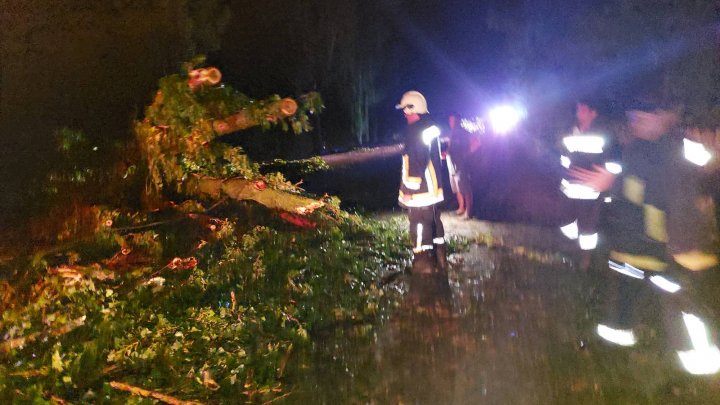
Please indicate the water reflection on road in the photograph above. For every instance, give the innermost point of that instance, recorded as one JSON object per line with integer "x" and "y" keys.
{"x": 510, "y": 326}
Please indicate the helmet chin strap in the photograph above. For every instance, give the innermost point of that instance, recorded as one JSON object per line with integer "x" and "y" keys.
{"x": 412, "y": 118}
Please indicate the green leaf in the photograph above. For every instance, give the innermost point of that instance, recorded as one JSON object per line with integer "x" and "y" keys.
{"x": 57, "y": 363}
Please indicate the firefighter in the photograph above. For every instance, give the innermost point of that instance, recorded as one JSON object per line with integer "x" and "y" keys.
{"x": 588, "y": 144}
{"x": 420, "y": 187}
{"x": 661, "y": 237}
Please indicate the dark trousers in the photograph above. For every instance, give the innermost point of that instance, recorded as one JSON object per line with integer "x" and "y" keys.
{"x": 425, "y": 227}
{"x": 587, "y": 214}
{"x": 628, "y": 301}
{"x": 632, "y": 302}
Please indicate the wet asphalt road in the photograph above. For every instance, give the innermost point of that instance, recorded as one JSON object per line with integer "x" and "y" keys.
{"x": 514, "y": 324}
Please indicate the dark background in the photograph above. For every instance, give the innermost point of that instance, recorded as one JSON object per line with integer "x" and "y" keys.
{"x": 93, "y": 66}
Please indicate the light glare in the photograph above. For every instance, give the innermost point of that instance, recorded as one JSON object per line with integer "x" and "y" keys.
{"x": 504, "y": 118}
{"x": 475, "y": 125}
{"x": 696, "y": 153}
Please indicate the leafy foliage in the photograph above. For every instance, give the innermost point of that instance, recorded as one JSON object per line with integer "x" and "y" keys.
{"x": 199, "y": 307}
{"x": 176, "y": 302}
{"x": 176, "y": 136}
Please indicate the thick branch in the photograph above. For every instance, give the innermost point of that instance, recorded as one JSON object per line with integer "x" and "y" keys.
{"x": 244, "y": 119}
{"x": 150, "y": 394}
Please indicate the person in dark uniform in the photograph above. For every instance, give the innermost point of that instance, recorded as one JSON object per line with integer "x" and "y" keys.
{"x": 589, "y": 143}
{"x": 661, "y": 237}
{"x": 420, "y": 187}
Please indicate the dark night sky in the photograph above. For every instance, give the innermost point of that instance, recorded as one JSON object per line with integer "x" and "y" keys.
{"x": 94, "y": 67}
{"x": 454, "y": 58}
{"x": 441, "y": 48}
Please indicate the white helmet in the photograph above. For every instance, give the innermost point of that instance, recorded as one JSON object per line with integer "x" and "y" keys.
{"x": 414, "y": 102}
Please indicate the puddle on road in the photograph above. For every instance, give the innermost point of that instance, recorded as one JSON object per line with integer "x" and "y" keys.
{"x": 518, "y": 332}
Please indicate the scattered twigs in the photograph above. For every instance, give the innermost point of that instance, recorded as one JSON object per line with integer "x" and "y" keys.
{"x": 171, "y": 220}
{"x": 8, "y": 345}
{"x": 278, "y": 398}
{"x": 57, "y": 400}
{"x": 30, "y": 373}
{"x": 150, "y": 394}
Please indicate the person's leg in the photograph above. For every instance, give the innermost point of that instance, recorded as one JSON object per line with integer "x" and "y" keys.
{"x": 453, "y": 179}
{"x": 588, "y": 215}
{"x": 421, "y": 234}
{"x": 569, "y": 219}
{"x": 423, "y": 227}
{"x": 438, "y": 234}
{"x": 468, "y": 197}
{"x": 461, "y": 204}
{"x": 619, "y": 311}
{"x": 463, "y": 186}
{"x": 414, "y": 219}
{"x": 439, "y": 240}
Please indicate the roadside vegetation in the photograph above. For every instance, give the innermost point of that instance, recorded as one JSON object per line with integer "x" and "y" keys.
{"x": 203, "y": 292}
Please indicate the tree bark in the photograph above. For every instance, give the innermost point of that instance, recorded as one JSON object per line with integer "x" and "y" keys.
{"x": 243, "y": 189}
{"x": 244, "y": 119}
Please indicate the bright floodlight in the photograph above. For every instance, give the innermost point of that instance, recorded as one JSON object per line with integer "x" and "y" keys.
{"x": 696, "y": 153}
{"x": 504, "y": 118}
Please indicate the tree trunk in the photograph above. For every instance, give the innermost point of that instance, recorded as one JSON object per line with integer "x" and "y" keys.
{"x": 243, "y": 189}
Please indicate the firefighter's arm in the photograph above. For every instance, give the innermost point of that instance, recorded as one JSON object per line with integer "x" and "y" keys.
{"x": 599, "y": 178}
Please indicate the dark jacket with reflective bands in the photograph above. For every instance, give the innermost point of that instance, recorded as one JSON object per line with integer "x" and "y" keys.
{"x": 421, "y": 163}
{"x": 585, "y": 149}
{"x": 658, "y": 213}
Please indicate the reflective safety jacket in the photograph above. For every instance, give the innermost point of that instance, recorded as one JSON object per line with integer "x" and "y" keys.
{"x": 421, "y": 164}
{"x": 585, "y": 149}
{"x": 657, "y": 212}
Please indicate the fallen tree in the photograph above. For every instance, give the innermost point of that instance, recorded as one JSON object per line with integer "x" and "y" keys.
{"x": 176, "y": 140}
{"x": 203, "y": 295}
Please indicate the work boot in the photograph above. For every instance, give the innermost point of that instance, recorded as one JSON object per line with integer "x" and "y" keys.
{"x": 423, "y": 262}
{"x": 441, "y": 257}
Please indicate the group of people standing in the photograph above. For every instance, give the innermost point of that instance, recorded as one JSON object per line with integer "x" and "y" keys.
{"x": 647, "y": 187}
{"x": 639, "y": 199}
{"x": 642, "y": 198}
{"x": 654, "y": 169}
